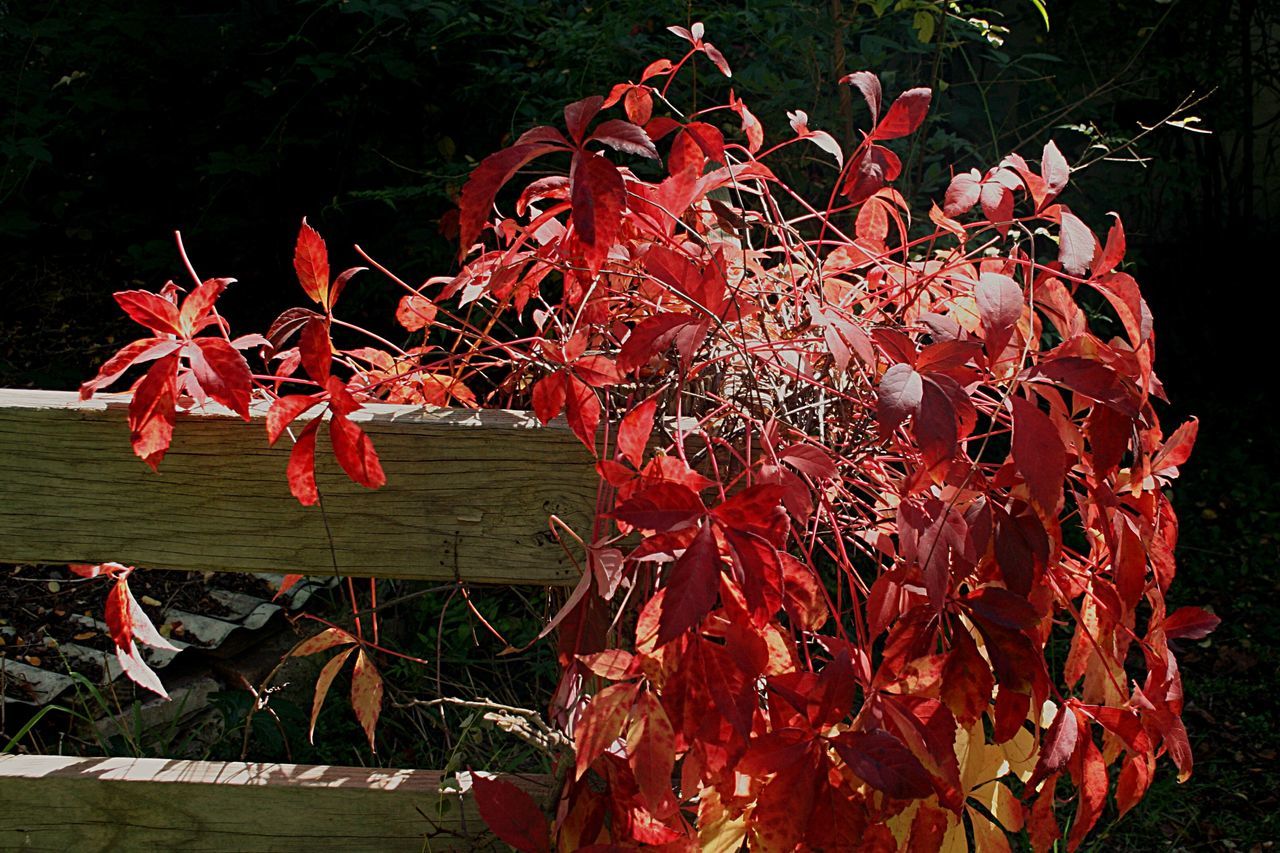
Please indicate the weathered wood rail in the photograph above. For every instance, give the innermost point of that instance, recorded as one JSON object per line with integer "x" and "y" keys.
{"x": 58, "y": 804}
{"x": 469, "y": 496}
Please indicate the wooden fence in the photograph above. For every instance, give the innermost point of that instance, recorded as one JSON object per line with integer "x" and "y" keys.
{"x": 468, "y": 496}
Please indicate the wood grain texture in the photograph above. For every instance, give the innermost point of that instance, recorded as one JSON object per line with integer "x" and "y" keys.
{"x": 54, "y": 803}
{"x": 468, "y": 494}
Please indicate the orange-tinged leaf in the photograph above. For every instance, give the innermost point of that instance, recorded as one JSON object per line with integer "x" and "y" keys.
{"x": 415, "y": 312}
{"x": 651, "y": 749}
{"x": 1042, "y": 826}
{"x": 967, "y": 682}
{"x": 613, "y": 664}
{"x": 311, "y": 263}
{"x": 1092, "y": 783}
{"x": 1135, "y": 778}
{"x": 601, "y": 724}
{"x": 323, "y": 682}
{"x": 325, "y": 640}
{"x": 288, "y": 583}
{"x": 366, "y": 695}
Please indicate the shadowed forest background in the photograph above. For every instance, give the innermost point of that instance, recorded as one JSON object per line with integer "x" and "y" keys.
{"x": 123, "y": 121}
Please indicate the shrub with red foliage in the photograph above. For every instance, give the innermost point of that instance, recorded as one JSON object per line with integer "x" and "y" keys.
{"x": 855, "y": 476}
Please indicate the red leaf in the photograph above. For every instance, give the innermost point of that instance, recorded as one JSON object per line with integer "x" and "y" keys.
{"x": 323, "y": 681}
{"x": 147, "y": 349}
{"x": 638, "y": 103}
{"x": 962, "y": 194}
{"x": 967, "y": 683}
{"x": 691, "y": 584}
{"x": 1191, "y": 623}
{"x": 325, "y": 640}
{"x": 663, "y": 506}
{"x": 1135, "y": 778}
{"x": 906, "y": 114}
{"x": 634, "y": 431}
{"x": 316, "y": 350}
{"x": 579, "y": 114}
{"x": 1092, "y": 782}
{"x": 601, "y": 724}
{"x": 1000, "y": 304}
{"x": 222, "y": 373}
{"x": 485, "y": 181}
{"x": 1054, "y": 170}
{"x": 132, "y": 664}
{"x": 1038, "y": 454}
{"x": 597, "y": 371}
{"x": 1113, "y": 254}
{"x": 717, "y": 59}
{"x": 127, "y": 622}
{"x": 286, "y": 584}
{"x": 1001, "y": 607}
{"x": 626, "y": 137}
{"x": 751, "y": 127}
{"x": 155, "y": 312}
{"x": 340, "y": 282}
{"x": 285, "y": 410}
{"x": 1042, "y": 826}
{"x": 752, "y": 510}
{"x": 1057, "y": 746}
{"x": 355, "y": 453}
{"x": 366, "y": 695}
{"x": 302, "y": 465}
{"x": 869, "y": 85}
{"x": 511, "y": 814}
{"x": 651, "y": 749}
{"x": 196, "y": 310}
{"x": 884, "y": 763}
{"x": 415, "y": 312}
{"x": 1076, "y": 244}
{"x": 583, "y": 412}
{"x": 549, "y": 395}
{"x": 613, "y": 664}
{"x": 899, "y": 395}
{"x": 809, "y": 459}
{"x": 598, "y": 196}
{"x": 311, "y": 263}
{"x": 1177, "y": 449}
{"x": 151, "y": 411}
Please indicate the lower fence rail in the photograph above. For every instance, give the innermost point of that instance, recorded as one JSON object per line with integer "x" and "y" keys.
{"x": 57, "y": 803}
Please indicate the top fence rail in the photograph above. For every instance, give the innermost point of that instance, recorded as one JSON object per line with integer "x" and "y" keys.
{"x": 468, "y": 495}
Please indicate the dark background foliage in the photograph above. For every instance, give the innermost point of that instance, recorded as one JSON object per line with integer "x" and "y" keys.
{"x": 122, "y": 121}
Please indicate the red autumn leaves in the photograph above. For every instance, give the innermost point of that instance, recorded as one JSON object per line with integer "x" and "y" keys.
{"x": 848, "y": 492}
{"x": 185, "y": 363}
{"x": 190, "y": 366}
